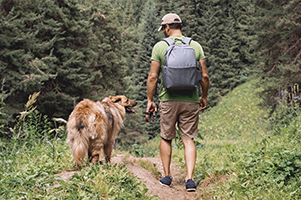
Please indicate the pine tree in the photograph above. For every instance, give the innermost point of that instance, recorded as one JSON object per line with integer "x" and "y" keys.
{"x": 148, "y": 37}
{"x": 26, "y": 51}
{"x": 213, "y": 25}
{"x": 243, "y": 13}
{"x": 133, "y": 132}
{"x": 68, "y": 50}
{"x": 278, "y": 30}
{"x": 169, "y": 6}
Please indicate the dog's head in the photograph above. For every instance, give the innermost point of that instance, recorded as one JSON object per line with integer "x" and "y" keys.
{"x": 123, "y": 101}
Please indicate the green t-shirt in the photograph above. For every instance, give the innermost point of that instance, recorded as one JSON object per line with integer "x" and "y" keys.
{"x": 158, "y": 54}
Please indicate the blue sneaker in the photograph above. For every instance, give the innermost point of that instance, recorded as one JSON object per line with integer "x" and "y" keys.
{"x": 166, "y": 181}
{"x": 190, "y": 185}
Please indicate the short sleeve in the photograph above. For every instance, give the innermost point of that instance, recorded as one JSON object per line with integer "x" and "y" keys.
{"x": 155, "y": 55}
{"x": 199, "y": 52}
{"x": 158, "y": 52}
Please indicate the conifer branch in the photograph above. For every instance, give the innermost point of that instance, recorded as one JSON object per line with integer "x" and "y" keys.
{"x": 296, "y": 43}
{"x": 32, "y": 64}
{"x": 296, "y": 58}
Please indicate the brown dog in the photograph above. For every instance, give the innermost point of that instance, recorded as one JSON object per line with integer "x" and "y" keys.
{"x": 93, "y": 126}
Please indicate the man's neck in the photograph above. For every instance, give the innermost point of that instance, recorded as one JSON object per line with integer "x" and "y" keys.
{"x": 175, "y": 32}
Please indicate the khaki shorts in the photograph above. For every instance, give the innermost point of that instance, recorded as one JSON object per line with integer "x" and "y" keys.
{"x": 185, "y": 114}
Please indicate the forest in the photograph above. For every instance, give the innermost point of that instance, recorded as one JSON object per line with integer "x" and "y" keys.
{"x": 55, "y": 53}
{"x": 67, "y": 50}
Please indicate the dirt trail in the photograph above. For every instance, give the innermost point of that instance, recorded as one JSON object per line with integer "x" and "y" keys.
{"x": 177, "y": 190}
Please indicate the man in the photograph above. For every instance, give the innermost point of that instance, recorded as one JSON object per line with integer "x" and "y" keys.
{"x": 176, "y": 108}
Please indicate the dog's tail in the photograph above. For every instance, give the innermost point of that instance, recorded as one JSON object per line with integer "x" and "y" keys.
{"x": 78, "y": 140}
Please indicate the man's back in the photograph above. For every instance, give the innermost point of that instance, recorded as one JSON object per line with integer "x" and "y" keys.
{"x": 158, "y": 54}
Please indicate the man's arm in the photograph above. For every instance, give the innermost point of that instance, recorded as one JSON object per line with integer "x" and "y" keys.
{"x": 152, "y": 84}
{"x": 204, "y": 85}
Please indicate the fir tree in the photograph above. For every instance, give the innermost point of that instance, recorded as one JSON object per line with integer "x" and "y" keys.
{"x": 213, "y": 25}
{"x": 68, "y": 50}
{"x": 148, "y": 37}
{"x": 279, "y": 51}
{"x": 169, "y": 6}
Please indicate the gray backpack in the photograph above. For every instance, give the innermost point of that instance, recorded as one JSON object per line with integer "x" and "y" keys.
{"x": 180, "y": 69}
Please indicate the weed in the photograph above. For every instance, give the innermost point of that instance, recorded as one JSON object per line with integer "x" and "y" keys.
{"x": 3, "y": 120}
{"x": 282, "y": 116}
{"x": 149, "y": 149}
{"x": 149, "y": 166}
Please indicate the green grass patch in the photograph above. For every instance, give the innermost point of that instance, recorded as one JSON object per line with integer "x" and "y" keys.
{"x": 150, "y": 167}
{"x": 149, "y": 149}
{"x": 30, "y": 173}
{"x": 235, "y": 117}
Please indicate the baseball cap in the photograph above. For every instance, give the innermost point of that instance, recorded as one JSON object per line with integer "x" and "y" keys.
{"x": 170, "y": 18}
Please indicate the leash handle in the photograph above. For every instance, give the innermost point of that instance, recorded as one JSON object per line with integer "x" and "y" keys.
{"x": 149, "y": 115}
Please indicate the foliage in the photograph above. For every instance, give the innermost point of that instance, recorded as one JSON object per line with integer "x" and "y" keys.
{"x": 232, "y": 119}
{"x": 275, "y": 165}
{"x": 150, "y": 167}
{"x": 2, "y": 120}
{"x": 222, "y": 28}
{"x": 282, "y": 116}
{"x": 33, "y": 125}
{"x": 143, "y": 150}
{"x": 278, "y": 49}
{"x": 130, "y": 134}
{"x": 20, "y": 178}
{"x": 68, "y": 50}
{"x": 148, "y": 37}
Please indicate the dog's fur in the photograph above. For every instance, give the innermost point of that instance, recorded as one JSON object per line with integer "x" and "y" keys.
{"x": 93, "y": 126}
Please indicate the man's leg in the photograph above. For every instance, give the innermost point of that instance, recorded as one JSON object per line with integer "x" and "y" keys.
{"x": 190, "y": 157}
{"x": 165, "y": 152}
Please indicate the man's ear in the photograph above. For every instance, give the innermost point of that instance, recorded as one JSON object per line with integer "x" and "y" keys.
{"x": 167, "y": 27}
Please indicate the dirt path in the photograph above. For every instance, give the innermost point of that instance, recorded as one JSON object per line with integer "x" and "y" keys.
{"x": 177, "y": 190}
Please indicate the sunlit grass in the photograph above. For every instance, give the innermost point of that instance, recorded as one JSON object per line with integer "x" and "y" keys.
{"x": 236, "y": 116}
{"x": 31, "y": 173}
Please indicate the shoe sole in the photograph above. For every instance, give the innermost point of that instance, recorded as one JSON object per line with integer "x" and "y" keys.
{"x": 164, "y": 184}
{"x": 191, "y": 190}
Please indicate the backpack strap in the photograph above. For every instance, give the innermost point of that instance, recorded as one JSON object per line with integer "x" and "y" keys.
{"x": 187, "y": 40}
{"x": 169, "y": 41}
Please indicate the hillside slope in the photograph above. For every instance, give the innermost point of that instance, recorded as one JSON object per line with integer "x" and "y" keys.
{"x": 236, "y": 115}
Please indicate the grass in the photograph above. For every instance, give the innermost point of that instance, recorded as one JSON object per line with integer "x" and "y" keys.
{"x": 235, "y": 117}
{"x": 30, "y": 173}
{"x": 237, "y": 158}
{"x": 149, "y": 166}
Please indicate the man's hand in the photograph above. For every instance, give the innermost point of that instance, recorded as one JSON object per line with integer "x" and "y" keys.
{"x": 203, "y": 103}
{"x": 151, "y": 107}
{"x": 151, "y": 111}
